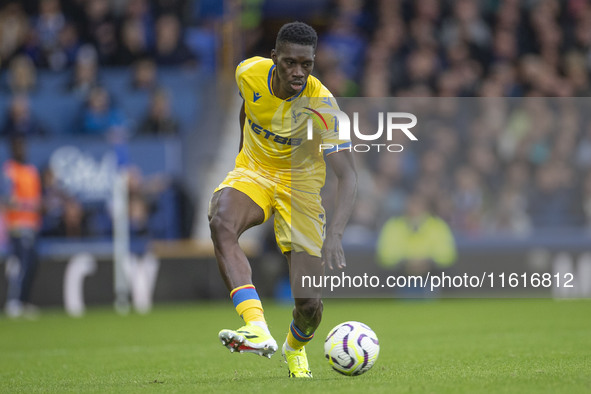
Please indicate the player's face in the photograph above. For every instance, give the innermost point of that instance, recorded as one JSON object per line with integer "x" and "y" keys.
{"x": 294, "y": 64}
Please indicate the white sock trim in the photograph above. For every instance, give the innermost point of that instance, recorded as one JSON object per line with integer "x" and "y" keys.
{"x": 288, "y": 348}
{"x": 262, "y": 325}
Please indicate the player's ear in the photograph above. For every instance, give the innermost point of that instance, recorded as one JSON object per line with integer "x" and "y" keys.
{"x": 274, "y": 56}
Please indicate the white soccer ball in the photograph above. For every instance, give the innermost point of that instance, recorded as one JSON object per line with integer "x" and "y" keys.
{"x": 351, "y": 348}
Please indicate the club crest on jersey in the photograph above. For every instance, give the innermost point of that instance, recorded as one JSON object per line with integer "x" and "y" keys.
{"x": 295, "y": 116}
{"x": 256, "y": 96}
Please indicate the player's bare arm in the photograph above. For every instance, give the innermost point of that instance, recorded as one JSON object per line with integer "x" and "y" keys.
{"x": 242, "y": 120}
{"x": 344, "y": 168}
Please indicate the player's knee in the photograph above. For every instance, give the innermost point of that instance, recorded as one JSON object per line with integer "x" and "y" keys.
{"x": 221, "y": 229}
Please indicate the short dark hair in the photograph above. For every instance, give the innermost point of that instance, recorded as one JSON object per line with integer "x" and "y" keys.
{"x": 296, "y": 33}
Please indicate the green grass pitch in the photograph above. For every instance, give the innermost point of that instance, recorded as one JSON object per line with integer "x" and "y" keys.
{"x": 450, "y": 346}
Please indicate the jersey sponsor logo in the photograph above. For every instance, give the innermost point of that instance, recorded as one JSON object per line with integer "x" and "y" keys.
{"x": 256, "y": 96}
{"x": 327, "y": 101}
{"x": 269, "y": 135}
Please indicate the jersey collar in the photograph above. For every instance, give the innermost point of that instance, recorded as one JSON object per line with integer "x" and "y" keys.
{"x": 270, "y": 78}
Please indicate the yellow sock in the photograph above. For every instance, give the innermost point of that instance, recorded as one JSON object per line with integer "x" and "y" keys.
{"x": 296, "y": 339}
{"x": 247, "y": 303}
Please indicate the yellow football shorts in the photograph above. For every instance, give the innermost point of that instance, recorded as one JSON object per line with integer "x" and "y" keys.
{"x": 300, "y": 220}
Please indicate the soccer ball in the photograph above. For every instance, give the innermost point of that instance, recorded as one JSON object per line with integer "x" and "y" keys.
{"x": 351, "y": 348}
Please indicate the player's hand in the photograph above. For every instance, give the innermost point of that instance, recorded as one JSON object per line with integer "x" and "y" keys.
{"x": 333, "y": 255}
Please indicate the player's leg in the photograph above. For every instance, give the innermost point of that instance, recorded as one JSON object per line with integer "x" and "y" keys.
{"x": 299, "y": 226}
{"x": 307, "y": 312}
{"x": 231, "y": 213}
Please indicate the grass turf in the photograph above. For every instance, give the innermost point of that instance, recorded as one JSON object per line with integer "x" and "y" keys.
{"x": 452, "y": 346}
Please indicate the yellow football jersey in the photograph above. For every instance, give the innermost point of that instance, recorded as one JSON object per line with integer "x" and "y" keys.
{"x": 276, "y": 143}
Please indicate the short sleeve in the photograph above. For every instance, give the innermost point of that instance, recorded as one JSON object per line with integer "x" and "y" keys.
{"x": 327, "y": 123}
{"x": 239, "y": 78}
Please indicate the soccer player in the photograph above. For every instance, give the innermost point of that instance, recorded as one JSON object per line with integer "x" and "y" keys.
{"x": 280, "y": 172}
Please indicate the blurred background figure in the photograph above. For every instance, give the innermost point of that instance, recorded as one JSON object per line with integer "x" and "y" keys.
{"x": 133, "y": 43}
{"x": 14, "y": 29}
{"x": 20, "y": 122}
{"x": 63, "y": 215}
{"x": 416, "y": 242}
{"x": 85, "y": 73}
{"x": 159, "y": 120}
{"x": 170, "y": 49}
{"x": 145, "y": 76}
{"x": 22, "y": 75}
{"x": 100, "y": 114}
{"x": 21, "y": 205}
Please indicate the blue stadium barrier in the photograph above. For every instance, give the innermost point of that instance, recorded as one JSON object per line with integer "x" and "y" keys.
{"x": 151, "y": 155}
{"x": 54, "y": 81}
{"x": 99, "y": 247}
{"x": 58, "y": 113}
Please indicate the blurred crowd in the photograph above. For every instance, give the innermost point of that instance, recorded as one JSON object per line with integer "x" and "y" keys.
{"x": 61, "y": 51}
{"x": 487, "y": 166}
{"x": 83, "y": 38}
{"x": 516, "y": 168}
{"x": 524, "y": 169}
{"x": 51, "y": 33}
{"x": 455, "y": 48}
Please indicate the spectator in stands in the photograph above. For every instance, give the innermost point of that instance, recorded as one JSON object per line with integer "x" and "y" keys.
{"x": 145, "y": 76}
{"x": 139, "y": 208}
{"x": 585, "y": 200}
{"x": 159, "y": 120}
{"x": 416, "y": 242}
{"x": 170, "y": 49}
{"x": 176, "y": 7}
{"x": 142, "y": 11}
{"x": 85, "y": 72}
{"x": 63, "y": 214}
{"x": 48, "y": 26}
{"x": 21, "y": 203}
{"x": 466, "y": 25}
{"x": 482, "y": 159}
{"x": 345, "y": 44}
{"x": 53, "y": 203}
{"x": 153, "y": 205}
{"x": 469, "y": 199}
{"x": 575, "y": 69}
{"x": 73, "y": 220}
{"x": 101, "y": 30}
{"x": 583, "y": 150}
{"x": 14, "y": 28}
{"x": 20, "y": 122}
{"x": 64, "y": 54}
{"x": 509, "y": 214}
{"x": 22, "y": 75}
{"x": 133, "y": 43}
{"x": 100, "y": 116}
{"x": 552, "y": 203}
